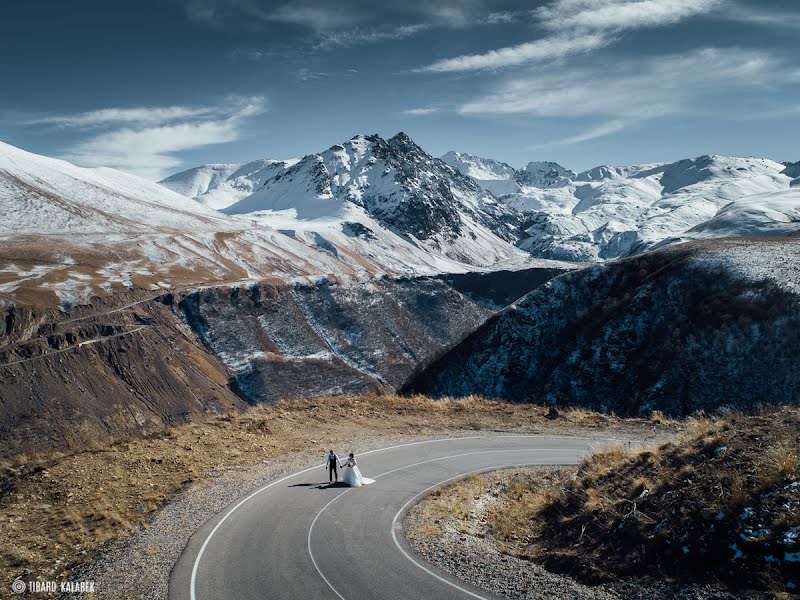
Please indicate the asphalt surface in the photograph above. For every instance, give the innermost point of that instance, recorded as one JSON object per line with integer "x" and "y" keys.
{"x": 299, "y": 538}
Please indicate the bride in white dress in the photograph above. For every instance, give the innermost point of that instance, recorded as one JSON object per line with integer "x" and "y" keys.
{"x": 352, "y": 476}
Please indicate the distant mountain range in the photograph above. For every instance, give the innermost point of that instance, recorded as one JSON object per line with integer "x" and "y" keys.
{"x": 70, "y": 234}
{"x": 475, "y": 209}
{"x": 611, "y": 212}
{"x": 366, "y": 207}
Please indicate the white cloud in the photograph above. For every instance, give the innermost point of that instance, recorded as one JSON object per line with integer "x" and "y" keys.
{"x": 599, "y": 131}
{"x": 315, "y": 17}
{"x": 150, "y": 137}
{"x": 617, "y": 15}
{"x": 544, "y": 49}
{"x": 422, "y": 111}
{"x": 500, "y": 18}
{"x": 358, "y": 36}
{"x": 578, "y": 26}
{"x": 144, "y": 115}
{"x": 253, "y": 15}
{"x": 763, "y": 16}
{"x": 635, "y": 89}
{"x": 306, "y": 74}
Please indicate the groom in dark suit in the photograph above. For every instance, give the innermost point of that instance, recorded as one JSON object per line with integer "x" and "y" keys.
{"x": 333, "y": 465}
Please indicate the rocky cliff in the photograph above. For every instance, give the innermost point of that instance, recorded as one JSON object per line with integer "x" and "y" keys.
{"x": 693, "y": 327}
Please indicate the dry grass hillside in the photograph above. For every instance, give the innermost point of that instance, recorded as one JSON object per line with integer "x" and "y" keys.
{"x": 720, "y": 505}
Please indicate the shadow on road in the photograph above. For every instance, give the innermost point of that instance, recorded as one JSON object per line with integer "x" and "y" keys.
{"x": 319, "y": 486}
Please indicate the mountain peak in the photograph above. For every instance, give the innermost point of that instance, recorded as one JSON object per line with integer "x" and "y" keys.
{"x": 544, "y": 174}
{"x": 402, "y": 142}
{"x": 401, "y": 136}
{"x": 365, "y": 137}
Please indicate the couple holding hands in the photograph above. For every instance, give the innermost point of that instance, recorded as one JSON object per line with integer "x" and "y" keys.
{"x": 351, "y": 475}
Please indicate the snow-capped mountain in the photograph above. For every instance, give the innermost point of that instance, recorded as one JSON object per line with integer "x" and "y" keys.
{"x": 492, "y": 175}
{"x": 502, "y": 179}
{"x": 631, "y": 209}
{"x": 544, "y": 175}
{"x": 220, "y": 185}
{"x": 69, "y": 233}
{"x": 42, "y": 195}
{"x": 770, "y": 214}
{"x": 609, "y": 211}
{"x": 389, "y": 196}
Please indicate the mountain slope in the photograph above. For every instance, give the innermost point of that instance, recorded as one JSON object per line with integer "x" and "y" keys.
{"x": 45, "y": 195}
{"x": 220, "y": 185}
{"x": 690, "y": 327}
{"x": 771, "y": 214}
{"x": 70, "y": 233}
{"x": 493, "y": 176}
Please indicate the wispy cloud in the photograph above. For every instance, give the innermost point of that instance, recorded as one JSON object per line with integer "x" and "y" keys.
{"x": 501, "y": 18}
{"x": 346, "y": 23}
{"x": 576, "y": 27}
{"x": 255, "y": 15}
{"x": 306, "y": 74}
{"x": 593, "y": 133}
{"x": 319, "y": 18}
{"x": 619, "y": 15}
{"x": 548, "y": 48}
{"x": 422, "y": 111}
{"x": 637, "y": 88}
{"x": 143, "y": 115}
{"x": 144, "y": 140}
{"x": 763, "y": 16}
{"x": 360, "y": 36}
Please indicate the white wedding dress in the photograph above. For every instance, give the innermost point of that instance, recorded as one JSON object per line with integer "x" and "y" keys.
{"x": 351, "y": 475}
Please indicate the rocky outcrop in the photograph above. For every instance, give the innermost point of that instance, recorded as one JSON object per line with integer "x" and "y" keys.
{"x": 793, "y": 170}
{"x": 694, "y": 327}
{"x": 292, "y": 341}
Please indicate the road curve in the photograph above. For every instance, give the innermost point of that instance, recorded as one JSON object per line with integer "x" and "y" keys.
{"x": 298, "y": 538}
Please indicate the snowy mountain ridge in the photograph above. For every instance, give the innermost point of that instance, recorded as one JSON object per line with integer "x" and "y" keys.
{"x": 610, "y": 212}
{"x": 501, "y": 179}
{"x": 544, "y": 209}
{"x": 220, "y": 185}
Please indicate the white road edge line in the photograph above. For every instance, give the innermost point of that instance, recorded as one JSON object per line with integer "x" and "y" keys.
{"x": 195, "y": 568}
{"x": 407, "y": 504}
{"x": 311, "y": 554}
{"x": 324, "y": 508}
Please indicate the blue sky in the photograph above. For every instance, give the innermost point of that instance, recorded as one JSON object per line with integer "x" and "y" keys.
{"x": 156, "y": 86}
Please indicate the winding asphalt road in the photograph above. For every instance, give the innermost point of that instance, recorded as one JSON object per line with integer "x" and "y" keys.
{"x": 298, "y": 538}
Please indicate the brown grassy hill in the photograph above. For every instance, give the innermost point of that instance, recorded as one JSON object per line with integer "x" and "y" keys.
{"x": 723, "y": 504}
